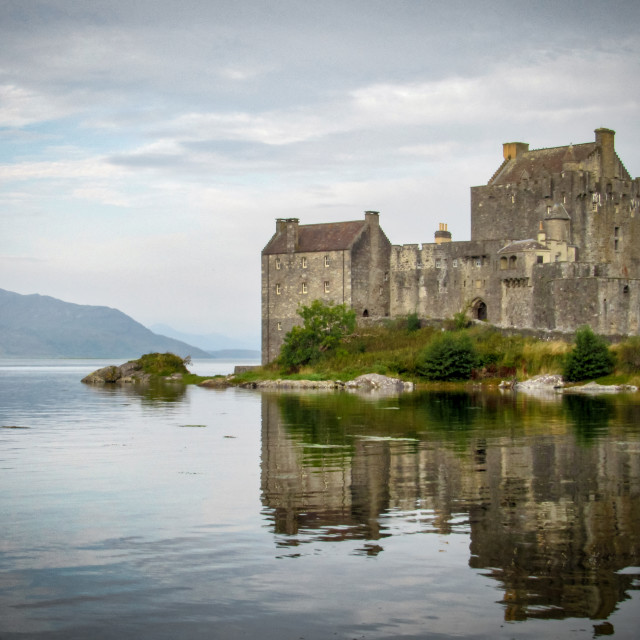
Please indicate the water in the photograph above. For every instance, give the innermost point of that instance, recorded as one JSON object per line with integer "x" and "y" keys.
{"x": 200, "y": 513}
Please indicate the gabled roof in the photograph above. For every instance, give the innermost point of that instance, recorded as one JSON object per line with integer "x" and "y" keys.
{"x": 330, "y": 236}
{"x": 523, "y": 245}
{"x": 537, "y": 162}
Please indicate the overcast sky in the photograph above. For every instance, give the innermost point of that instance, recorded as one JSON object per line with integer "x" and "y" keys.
{"x": 147, "y": 146}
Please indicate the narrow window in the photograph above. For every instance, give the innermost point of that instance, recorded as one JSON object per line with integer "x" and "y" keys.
{"x": 539, "y": 259}
{"x": 279, "y": 326}
{"x": 304, "y": 263}
{"x": 438, "y": 263}
{"x": 304, "y": 287}
{"x": 455, "y": 262}
{"x": 326, "y": 261}
{"x": 277, "y": 263}
{"x": 478, "y": 262}
{"x": 504, "y": 263}
{"x": 512, "y": 262}
{"x": 326, "y": 286}
{"x": 616, "y": 238}
{"x": 278, "y": 289}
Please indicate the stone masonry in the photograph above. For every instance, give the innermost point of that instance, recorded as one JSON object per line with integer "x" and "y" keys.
{"x": 555, "y": 244}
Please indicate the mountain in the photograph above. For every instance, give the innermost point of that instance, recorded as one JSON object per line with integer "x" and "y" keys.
{"x": 211, "y": 342}
{"x": 35, "y": 326}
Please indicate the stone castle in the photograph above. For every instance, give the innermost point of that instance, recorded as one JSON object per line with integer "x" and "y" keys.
{"x": 555, "y": 244}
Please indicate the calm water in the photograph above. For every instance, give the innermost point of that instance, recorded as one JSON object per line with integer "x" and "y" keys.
{"x": 197, "y": 513}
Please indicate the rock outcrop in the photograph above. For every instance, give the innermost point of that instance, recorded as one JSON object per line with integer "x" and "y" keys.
{"x": 126, "y": 373}
{"x": 377, "y": 382}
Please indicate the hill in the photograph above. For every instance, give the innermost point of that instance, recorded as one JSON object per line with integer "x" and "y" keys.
{"x": 36, "y": 326}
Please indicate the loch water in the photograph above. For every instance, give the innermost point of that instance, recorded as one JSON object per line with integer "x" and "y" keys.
{"x": 173, "y": 512}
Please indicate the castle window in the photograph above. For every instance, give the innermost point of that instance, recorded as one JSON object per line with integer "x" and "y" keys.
{"x": 304, "y": 287}
{"x": 438, "y": 263}
{"x": 625, "y": 289}
{"x": 279, "y": 326}
{"x": 616, "y": 238}
{"x": 539, "y": 259}
{"x": 304, "y": 263}
{"x": 326, "y": 261}
{"x": 278, "y": 289}
{"x": 504, "y": 263}
{"x": 478, "y": 262}
{"x": 512, "y": 262}
{"x": 326, "y": 286}
{"x": 277, "y": 263}
{"x": 455, "y": 262}
{"x": 513, "y": 198}
{"x": 548, "y": 209}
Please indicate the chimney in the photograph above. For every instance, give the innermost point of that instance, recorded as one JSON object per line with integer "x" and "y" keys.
{"x": 291, "y": 225}
{"x": 605, "y": 140}
{"x": 442, "y": 235}
{"x": 511, "y": 150}
{"x": 542, "y": 236}
{"x": 281, "y": 225}
{"x": 372, "y": 218}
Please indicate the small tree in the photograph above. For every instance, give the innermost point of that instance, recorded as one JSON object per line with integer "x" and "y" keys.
{"x": 590, "y": 358}
{"x": 449, "y": 356}
{"x": 324, "y": 326}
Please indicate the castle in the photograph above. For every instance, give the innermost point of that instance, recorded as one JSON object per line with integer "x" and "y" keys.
{"x": 555, "y": 244}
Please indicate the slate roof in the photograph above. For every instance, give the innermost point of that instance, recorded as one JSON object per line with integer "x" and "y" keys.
{"x": 330, "y": 236}
{"x": 523, "y": 245}
{"x": 537, "y": 162}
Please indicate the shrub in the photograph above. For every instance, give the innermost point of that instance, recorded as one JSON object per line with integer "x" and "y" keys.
{"x": 449, "y": 356}
{"x": 628, "y": 355}
{"x": 162, "y": 364}
{"x": 590, "y": 358}
{"x": 324, "y": 326}
{"x": 413, "y": 322}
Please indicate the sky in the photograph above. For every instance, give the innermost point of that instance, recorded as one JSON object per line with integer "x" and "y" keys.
{"x": 147, "y": 146}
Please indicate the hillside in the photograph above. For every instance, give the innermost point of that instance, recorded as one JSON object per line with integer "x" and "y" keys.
{"x": 39, "y": 326}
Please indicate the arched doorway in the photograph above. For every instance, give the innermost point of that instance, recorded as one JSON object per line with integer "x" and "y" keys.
{"x": 479, "y": 310}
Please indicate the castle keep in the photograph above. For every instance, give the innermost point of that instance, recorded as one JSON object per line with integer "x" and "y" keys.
{"x": 555, "y": 244}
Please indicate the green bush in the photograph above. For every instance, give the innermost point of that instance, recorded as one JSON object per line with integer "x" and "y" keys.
{"x": 589, "y": 359}
{"x": 324, "y": 326}
{"x": 162, "y": 364}
{"x": 628, "y": 355}
{"x": 449, "y": 356}
{"x": 413, "y": 322}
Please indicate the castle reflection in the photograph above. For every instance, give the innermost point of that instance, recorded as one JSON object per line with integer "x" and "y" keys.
{"x": 548, "y": 491}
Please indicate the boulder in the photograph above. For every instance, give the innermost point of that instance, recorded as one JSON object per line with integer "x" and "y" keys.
{"x": 544, "y": 382}
{"x": 126, "y": 373}
{"x": 378, "y": 382}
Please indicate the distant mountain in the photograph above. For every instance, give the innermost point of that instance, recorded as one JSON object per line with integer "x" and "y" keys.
{"x": 35, "y": 326}
{"x": 210, "y": 341}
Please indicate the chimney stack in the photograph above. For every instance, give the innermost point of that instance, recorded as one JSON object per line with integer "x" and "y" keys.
{"x": 511, "y": 150}
{"x": 442, "y": 235}
{"x": 605, "y": 140}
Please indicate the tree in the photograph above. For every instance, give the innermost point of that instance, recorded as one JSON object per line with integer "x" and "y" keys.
{"x": 590, "y": 358}
{"x": 324, "y": 326}
{"x": 449, "y": 356}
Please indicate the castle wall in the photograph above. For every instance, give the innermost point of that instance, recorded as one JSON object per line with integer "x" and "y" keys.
{"x": 370, "y": 271}
{"x": 291, "y": 280}
{"x": 569, "y": 295}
